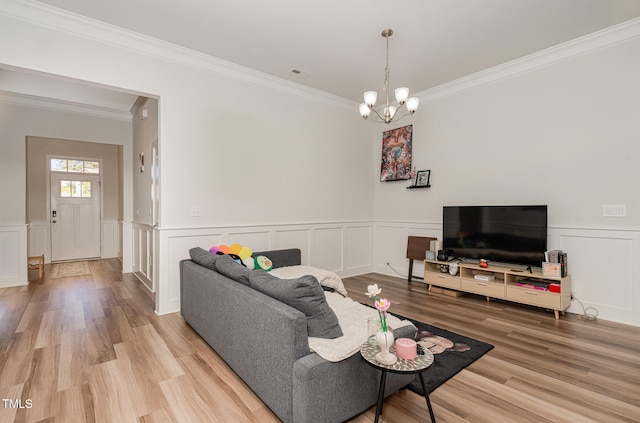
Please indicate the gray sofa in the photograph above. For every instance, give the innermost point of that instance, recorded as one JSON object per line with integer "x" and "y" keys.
{"x": 265, "y": 341}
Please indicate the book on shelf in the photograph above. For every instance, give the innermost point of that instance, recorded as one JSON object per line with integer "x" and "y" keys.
{"x": 562, "y": 259}
{"x": 533, "y": 284}
{"x": 552, "y": 256}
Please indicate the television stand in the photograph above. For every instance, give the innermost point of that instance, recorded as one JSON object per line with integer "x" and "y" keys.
{"x": 517, "y": 285}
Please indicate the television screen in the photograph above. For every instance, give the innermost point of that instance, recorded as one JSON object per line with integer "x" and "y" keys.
{"x": 505, "y": 234}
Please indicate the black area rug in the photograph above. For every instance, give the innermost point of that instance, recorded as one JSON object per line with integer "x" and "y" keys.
{"x": 452, "y": 358}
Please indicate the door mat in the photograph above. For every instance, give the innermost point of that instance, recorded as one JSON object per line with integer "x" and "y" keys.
{"x": 65, "y": 270}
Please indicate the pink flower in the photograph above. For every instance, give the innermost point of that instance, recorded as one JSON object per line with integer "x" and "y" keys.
{"x": 383, "y": 304}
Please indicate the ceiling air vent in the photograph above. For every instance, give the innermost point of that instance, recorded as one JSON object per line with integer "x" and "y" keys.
{"x": 300, "y": 73}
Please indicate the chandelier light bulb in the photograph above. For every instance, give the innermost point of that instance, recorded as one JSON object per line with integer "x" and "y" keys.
{"x": 370, "y": 98}
{"x": 402, "y": 94}
{"x": 412, "y": 104}
{"x": 365, "y": 110}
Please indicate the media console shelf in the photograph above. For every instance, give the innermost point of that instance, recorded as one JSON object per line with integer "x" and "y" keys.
{"x": 501, "y": 282}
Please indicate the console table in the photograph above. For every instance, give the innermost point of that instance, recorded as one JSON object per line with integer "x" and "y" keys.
{"x": 416, "y": 366}
{"x": 502, "y": 283}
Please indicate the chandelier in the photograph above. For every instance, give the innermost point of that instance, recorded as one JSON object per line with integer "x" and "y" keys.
{"x": 402, "y": 97}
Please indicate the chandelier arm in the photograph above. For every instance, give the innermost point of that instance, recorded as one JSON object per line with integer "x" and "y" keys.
{"x": 394, "y": 117}
{"x": 379, "y": 117}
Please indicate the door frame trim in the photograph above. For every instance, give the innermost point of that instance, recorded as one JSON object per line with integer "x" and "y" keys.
{"x": 48, "y": 194}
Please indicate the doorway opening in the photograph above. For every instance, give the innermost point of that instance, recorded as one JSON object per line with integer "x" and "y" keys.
{"x": 75, "y": 204}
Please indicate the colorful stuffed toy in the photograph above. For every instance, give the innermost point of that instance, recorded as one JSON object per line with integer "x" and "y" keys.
{"x": 263, "y": 263}
{"x": 243, "y": 256}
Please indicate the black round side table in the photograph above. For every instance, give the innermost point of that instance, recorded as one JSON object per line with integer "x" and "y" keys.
{"x": 415, "y": 366}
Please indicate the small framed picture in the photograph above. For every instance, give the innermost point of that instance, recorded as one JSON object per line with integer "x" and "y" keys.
{"x": 422, "y": 179}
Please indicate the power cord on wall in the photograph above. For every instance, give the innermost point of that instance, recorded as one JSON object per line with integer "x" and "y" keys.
{"x": 589, "y": 313}
{"x": 400, "y": 274}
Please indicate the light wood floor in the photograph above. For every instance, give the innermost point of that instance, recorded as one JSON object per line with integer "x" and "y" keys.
{"x": 90, "y": 348}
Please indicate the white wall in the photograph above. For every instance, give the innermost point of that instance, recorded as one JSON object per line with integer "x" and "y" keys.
{"x": 564, "y": 133}
{"x": 247, "y": 150}
{"x": 256, "y": 155}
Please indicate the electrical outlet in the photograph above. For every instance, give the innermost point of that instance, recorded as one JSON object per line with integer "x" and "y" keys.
{"x": 195, "y": 211}
{"x": 614, "y": 210}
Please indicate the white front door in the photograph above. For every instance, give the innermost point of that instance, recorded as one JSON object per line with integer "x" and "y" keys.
{"x": 75, "y": 216}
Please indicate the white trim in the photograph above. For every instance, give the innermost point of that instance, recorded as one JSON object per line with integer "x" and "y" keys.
{"x": 607, "y": 37}
{"x": 82, "y": 26}
{"x": 65, "y": 106}
{"x": 88, "y": 28}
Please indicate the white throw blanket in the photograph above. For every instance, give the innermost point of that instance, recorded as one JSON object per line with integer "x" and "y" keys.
{"x": 353, "y": 321}
{"x": 352, "y": 315}
{"x": 325, "y": 277}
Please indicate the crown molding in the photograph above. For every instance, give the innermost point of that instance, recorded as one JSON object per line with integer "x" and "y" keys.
{"x": 617, "y": 34}
{"x": 47, "y": 16}
{"x": 88, "y": 28}
{"x": 46, "y": 103}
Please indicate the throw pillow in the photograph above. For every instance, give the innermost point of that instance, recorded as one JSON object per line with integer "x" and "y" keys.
{"x": 227, "y": 266}
{"x": 304, "y": 294}
{"x": 203, "y": 257}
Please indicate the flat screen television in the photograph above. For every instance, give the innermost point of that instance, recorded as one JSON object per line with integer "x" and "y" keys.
{"x": 504, "y": 234}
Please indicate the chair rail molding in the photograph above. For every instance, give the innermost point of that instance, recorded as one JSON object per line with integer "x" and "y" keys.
{"x": 341, "y": 247}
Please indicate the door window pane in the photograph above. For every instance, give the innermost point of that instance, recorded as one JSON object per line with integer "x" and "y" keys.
{"x": 65, "y": 188}
{"x": 58, "y": 165}
{"x": 86, "y": 189}
{"x": 91, "y": 167}
{"x": 75, "y": 189}
{"x": 75, "y": 166}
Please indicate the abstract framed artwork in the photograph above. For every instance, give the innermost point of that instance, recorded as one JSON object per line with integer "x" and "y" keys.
{"x": 396, "y": 154}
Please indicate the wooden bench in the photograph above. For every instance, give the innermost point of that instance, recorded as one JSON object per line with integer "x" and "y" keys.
{"x": 36, "y": 263}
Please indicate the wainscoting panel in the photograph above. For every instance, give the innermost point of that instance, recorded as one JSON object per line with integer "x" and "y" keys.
{"x": 322, "y": 245}
{"x": 329, "y": 241}
{"x": 604, "y": 264}
{"x": 258, "y": 241}
{"x": 13, "y": 255}
{"x": 391, "y": 246}
{"x": 142, "y": 257}
{"x": 39, "y": 239}
{"x": 295, "y": 238}
{"x": 358, "y": 247}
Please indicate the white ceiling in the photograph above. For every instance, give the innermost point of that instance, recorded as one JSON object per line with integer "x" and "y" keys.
{"x": 338, "y": 42}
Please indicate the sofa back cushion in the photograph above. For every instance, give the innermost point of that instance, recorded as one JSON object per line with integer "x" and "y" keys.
{"x": 304, "y": 294}
{"x": 230, "y": 268}
{"x": 204, "y": 257}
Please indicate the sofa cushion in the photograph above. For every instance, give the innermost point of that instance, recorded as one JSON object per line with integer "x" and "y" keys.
{"x": 230, "y": 268}
{"x": 203, "y": 257}
{"x": 304, "y": 294}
